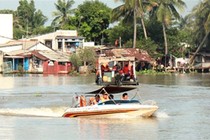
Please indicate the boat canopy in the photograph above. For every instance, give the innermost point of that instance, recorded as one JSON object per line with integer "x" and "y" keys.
{"x": 113, "y": 89}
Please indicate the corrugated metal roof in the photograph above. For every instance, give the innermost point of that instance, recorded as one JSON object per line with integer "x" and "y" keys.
{"x": 51, "y": 55}
{"x": 140, "y": 55}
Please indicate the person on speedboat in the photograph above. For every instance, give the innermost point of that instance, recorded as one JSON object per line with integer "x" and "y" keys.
{"x": 94, "y": 100}
{"x": 104, "y": 97}
{"x": 111, "y": 96}
{"x": 99, "y": 99}
{"x": 125, "y": 96}
{"x": 82, "y": 101}
{"x": 126, "y": 72}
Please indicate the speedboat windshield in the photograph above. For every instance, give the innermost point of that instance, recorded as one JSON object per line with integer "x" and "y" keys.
{"x": 110, "y": 102}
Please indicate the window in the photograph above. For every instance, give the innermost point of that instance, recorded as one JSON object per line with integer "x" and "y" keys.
{"x": 48, "y": 43}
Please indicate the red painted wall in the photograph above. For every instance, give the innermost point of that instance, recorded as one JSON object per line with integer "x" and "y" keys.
{"x": 55, "y": 68}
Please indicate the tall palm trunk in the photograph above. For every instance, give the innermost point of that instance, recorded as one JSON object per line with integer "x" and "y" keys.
{"x": 198, "y": 49}
{"x": 135, "y": 29}
{"x": 165, "y": 39}
{"x": 165, "y": 42}
{"x": 144, "y": 28}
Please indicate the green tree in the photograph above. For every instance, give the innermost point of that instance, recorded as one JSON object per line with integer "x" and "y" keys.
{"x": 165, "y": 11}
{"x": 39, "y": 19}
{"x": 29, "y": 19}
{"x": 93, "y": 19}
{"x": 154, "y": 29}
{"x": 84, "y": 56}
{"x": 76, "y": 61}
{"x": 130, "y": 10}
{"x": 63, "y": 13}
{"x": 197, "y": 20}
{"x": 148, "y": 45}
{"x": 87, "y": 55}
{"x": 122, "y": 31}
{"x": 201, "y": 25}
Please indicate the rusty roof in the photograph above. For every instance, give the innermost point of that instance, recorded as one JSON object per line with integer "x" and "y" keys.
{"x": 38, "y": 55}
{"x": 139, "y": 54}
{"x": 52, "y": 55}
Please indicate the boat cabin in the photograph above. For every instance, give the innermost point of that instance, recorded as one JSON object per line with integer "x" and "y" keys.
{"x": 116, "y": 71}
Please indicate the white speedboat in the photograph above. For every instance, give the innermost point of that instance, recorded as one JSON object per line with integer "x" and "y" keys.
{"x": 113, "y": 107}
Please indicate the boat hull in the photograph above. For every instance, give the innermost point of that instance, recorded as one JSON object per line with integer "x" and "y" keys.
{"x": 112, "y": 111}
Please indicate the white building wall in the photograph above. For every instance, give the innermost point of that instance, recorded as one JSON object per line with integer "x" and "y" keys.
{"x": 66, "y": 32}
{"x": 6, "y": 28}
{"x": 52, "y": 36}
{"x": 11, "y": 48}
{"x": 89, "y": 44}
{"x": 182, "y": 61}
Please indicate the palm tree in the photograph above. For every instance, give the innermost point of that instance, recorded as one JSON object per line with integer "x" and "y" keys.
{"x": 130, "y": 8}
{"x": 166, "y": 11}
{"x": 63, "y": 12}
{"x": 39, "y": 19}
{"x": 197, "y": 18}
{"x": 201, "y": 26}
{"x": 202, "y": 43}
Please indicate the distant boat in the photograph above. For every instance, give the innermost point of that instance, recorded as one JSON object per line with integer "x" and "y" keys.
{"x": 116, "y": 71}
{"x": 113, "y": 107}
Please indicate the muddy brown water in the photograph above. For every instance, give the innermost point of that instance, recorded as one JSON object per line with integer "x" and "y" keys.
{"x": 31, "y": 107}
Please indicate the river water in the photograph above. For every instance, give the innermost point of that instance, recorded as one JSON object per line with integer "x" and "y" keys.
{"x": 31, "y": 107}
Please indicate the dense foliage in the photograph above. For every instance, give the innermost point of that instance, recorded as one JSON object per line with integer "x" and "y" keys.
{"x": 63, "y": 14}
{"x": 94, "y": 19}
{"x": 86, "y": 55}
{"x": 153, "y": 25}
{"x": 29, "y": 18}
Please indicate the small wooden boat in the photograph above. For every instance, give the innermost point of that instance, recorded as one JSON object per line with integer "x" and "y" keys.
{"x": 116, "y": 71}
{"x": 112, "y": 107}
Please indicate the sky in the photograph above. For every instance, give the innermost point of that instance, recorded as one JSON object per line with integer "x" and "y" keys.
{"x": 47, "y": 6}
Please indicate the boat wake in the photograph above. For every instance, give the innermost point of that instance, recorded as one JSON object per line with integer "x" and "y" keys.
{"x": 35, "y": 112}
{"x": 161, "y": 115}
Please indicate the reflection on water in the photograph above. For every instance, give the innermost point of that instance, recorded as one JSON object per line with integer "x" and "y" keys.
{"x": 118, "y": 128}
{"x": 50, "y": 83}
{"x": 192, "y": 79}
{"x": 31, "y": 106}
